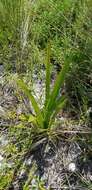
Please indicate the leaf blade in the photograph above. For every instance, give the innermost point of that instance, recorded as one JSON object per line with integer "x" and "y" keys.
{"x": 59, "y": 105}
{"x": 47, "y": 91}
{"x": 54, "y": 94}
{"x": 35, "y": 106}
{"x": 59, "y": 81}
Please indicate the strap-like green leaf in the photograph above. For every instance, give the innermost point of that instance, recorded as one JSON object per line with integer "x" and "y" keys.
{"x": 59, "y": 105}
{"x": 51, "y": 114}
{"x": 32, "y": 119}
{"x": 47, "y": 92}
{"x": 58, "y": 83}
{"x": 36, "y": 108}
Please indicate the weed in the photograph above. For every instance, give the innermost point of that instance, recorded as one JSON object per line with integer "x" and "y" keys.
{"x": 44, "y": 118}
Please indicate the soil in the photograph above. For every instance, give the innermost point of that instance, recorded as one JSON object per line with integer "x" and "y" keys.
{"x": 64, "y": 163}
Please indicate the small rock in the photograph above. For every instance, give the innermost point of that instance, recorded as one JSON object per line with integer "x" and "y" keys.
{"x": 72, "y": 167}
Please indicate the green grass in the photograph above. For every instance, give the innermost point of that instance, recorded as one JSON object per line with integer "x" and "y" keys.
{"x": 14, "y": 30}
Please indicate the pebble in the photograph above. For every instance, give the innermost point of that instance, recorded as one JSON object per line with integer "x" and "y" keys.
{"x": 72, "y": 167}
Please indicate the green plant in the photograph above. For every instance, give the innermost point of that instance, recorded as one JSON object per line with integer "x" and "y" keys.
{"x": 45, "y": 117}
{"x": 38, "y": 183}
{"x": 5, "y": 180}
{"x": 14, "y": 30}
